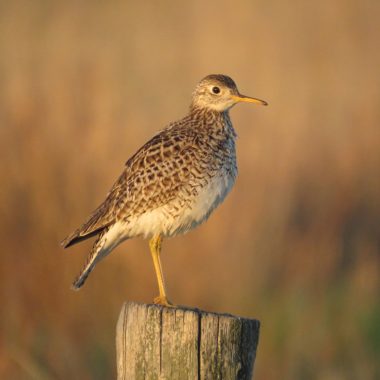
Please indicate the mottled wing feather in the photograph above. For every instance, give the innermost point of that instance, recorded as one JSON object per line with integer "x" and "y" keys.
{"x": 155, "y": 174}
{"x": 97, "y": 221}
{"x": 152, "y": 177}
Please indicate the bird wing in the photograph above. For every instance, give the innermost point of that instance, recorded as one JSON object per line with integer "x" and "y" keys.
{"x": 157, "y": 172}
{"x": 101, "y": 218}
{"x": 152, "y": 177}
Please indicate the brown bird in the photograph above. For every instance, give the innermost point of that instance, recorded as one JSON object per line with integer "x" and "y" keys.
{"x": 172, "y": 183}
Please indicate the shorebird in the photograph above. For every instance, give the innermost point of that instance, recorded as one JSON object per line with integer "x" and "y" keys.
{"x": 172, "y": 183}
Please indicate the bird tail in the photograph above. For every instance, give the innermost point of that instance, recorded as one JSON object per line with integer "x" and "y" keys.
{"x": 98, "y": 251}
{"x": 80, "y": 280}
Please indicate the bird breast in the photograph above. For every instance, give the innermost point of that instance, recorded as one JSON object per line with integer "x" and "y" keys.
{"x": 184, "y": 213}
{"x": 212, "y": 174}
{"x": 208, "y": 198}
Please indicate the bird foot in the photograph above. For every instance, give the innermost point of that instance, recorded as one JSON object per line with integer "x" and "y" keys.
{"x": 163, "y": 301}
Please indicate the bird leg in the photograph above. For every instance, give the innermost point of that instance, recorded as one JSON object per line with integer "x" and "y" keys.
{"x": 155, "y": 250}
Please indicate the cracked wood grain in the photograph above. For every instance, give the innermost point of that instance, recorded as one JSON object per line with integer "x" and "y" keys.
{"x": 155, "y": 342}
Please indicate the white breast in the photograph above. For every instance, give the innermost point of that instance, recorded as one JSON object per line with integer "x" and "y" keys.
{"x": 209, "y": 197}
{"x": 164, "y": 221}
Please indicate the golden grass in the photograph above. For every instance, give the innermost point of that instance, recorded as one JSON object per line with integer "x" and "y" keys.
{"x": 296, "y": 244}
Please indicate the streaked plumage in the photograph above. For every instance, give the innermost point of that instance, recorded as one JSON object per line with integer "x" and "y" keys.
{"x": 174, "y": 182}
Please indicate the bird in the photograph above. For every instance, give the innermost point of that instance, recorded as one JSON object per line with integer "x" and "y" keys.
{"x": 172, "y": 183}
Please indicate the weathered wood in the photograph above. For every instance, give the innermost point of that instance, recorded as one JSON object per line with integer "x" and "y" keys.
{"x": 155, "y": 342}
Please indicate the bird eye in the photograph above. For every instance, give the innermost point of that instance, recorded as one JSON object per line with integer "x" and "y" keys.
{"x": 216, "y": 90}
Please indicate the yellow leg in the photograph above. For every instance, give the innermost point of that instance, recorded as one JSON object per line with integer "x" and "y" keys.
{"x": 155, "y": 250}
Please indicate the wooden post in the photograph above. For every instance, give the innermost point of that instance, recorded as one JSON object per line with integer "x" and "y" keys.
{"x": 155, "y": 342}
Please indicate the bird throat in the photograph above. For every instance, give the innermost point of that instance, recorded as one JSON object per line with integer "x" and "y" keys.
{"x": 218, "y": 121}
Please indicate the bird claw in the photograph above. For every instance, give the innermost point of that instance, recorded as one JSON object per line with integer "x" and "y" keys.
{"x": 163, "y": 301}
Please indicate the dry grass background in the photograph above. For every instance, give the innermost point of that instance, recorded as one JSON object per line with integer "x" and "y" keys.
{"x": 296, "y": 244}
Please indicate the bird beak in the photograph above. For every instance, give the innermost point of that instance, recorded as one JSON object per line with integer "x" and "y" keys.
{"x": 243, "y": 98}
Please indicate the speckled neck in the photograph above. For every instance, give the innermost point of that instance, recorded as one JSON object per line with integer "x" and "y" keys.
{"x": 219, "y": 122}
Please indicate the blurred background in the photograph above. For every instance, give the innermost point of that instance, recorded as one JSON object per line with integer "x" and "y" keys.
{"x": 295, "y": 245}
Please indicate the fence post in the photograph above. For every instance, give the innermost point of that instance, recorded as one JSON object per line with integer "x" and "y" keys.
{"x": 155, "y": 342}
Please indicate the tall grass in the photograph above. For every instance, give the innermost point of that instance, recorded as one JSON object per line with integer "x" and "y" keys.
{"x": 296, "y": 244}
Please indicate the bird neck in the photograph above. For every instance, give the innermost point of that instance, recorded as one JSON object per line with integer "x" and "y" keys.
{"x": 206, "y": 117}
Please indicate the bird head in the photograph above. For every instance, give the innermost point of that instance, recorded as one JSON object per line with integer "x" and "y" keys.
{"x": 219, "y": 93}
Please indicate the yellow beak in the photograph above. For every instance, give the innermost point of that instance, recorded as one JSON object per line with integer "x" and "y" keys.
{"x": 243, "y": 98}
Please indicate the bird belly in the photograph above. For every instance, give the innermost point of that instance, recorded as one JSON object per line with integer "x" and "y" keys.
{"x": 204, "y": 203}
{"x": 183, "y": 213}
{"x": 150, "y": 223}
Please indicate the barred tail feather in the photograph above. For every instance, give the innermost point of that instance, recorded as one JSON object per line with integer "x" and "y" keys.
{"x": 98, "y": 251}
{"x": 81, "y": 279}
